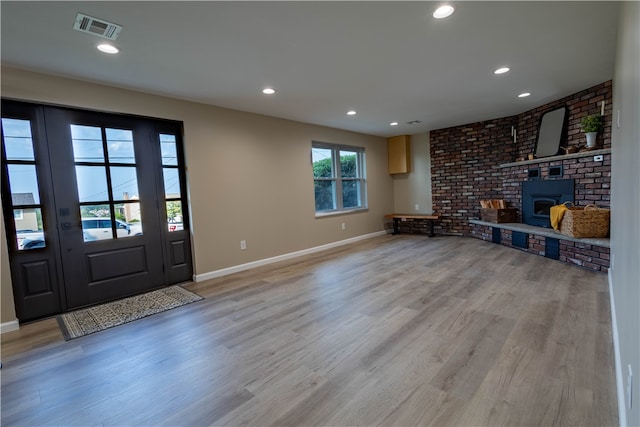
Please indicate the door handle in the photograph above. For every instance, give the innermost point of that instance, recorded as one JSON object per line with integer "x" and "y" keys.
{"x": 65, "y": 225}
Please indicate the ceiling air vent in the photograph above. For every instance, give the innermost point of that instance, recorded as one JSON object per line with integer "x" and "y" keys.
{"x": 98, "y": 27}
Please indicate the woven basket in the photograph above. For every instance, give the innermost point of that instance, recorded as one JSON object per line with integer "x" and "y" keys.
{"x": 585, "y": 221}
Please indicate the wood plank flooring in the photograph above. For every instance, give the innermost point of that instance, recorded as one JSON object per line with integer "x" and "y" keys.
{"x": 394, "y": 330}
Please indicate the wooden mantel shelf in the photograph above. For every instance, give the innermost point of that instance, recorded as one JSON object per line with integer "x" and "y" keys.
{"x": 556, "y": 158}
{"x": 541, "y": 231}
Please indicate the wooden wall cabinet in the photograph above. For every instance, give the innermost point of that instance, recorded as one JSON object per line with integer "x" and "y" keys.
{"x": 399, "y": 152}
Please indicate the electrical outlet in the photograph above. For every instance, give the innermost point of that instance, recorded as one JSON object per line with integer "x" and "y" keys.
{"x": 417, "y": 207}
{"x": 243, "y": 245}
{"x": 598, "y": 158}
{"x": 344, "y": 226}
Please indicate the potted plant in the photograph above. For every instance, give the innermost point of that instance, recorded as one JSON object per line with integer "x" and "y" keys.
{"x": 591, "y": 125}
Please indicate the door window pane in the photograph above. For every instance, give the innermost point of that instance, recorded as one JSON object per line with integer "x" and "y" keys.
{"x": 174, "y": 215}
{"x": 124, "y": 183}
{"x": 96, "y": 222}
{"x": 122, "y": 229}
{"x": 92, "y": 183}
{"x": 168, "y": 150}
{"x": 24, "y": 184}
{"x": 17, "y": 139}
{"x": 129, "y": 213}
{"x": 171, "y": 183}
{"x": 87, "y": 143}
{"x": 120, "y": 146}
{"x": 95, "y": 211}
{"x": 29, "y": 230}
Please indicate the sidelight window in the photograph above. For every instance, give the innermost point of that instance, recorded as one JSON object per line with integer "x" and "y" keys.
{"x": 19, "y": 155}
{"x": 172, "y": 182}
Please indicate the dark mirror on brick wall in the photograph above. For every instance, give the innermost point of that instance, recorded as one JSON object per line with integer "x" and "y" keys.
{"x": 551, "y": 132}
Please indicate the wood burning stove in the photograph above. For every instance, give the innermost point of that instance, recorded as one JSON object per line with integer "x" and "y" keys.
{"x": 539, "y": 195}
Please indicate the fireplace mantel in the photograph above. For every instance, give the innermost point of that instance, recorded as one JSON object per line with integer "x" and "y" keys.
{"x": 557, "y": 158}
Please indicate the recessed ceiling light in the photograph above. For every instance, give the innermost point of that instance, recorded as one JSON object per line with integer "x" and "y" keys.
{"x": 501, "y": 70}
{"x": 443, "y": 12}
{"x": 268, "y": 91}
{"x": 351, "y": 113}
{"x": 393, "y": 124}
{"x": 524, "y": 95}
{"x": 107, "y": 48}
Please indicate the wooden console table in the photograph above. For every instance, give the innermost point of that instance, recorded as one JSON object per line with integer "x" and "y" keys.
{"x": 403, "y": 217}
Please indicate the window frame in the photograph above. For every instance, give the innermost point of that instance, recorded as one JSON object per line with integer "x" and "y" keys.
{"x": 179, "y": 167}
{"x": 108, "y": 164}
{"x": 35, "y": 163}
{"x": 361, "y": 177}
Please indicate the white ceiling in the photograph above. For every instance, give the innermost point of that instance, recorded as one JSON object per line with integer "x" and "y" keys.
{"x": 388, "y": 60}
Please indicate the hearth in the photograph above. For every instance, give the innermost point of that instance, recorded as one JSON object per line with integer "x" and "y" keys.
{"x": 539, "y": 195}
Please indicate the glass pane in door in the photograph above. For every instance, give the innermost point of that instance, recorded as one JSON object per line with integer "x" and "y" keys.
{"x": 168, "y": 150}
{"x": 124, "y": 183}
{"x": 87, "y": 143}
{"x": 120, "y": 146}
{"x": 171, "y": 182}
{"x": 96, "y": 222}
{"x": 18, "y": 144}
{"x": 174, "y": 215}
{"x": 23, "y": 181}
{"x": 129, "y": 214}
{"x": 29, "y": 229}
{"x": 92, "y": 183}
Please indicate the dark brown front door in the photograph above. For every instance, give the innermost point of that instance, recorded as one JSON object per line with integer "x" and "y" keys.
{"x": 109, "y": 227}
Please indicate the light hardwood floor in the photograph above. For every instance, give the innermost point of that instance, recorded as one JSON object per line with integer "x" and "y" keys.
{"x": 394, "y": 330}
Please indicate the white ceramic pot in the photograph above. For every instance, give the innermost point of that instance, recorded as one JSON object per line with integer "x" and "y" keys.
{"x": 591, "y": 139}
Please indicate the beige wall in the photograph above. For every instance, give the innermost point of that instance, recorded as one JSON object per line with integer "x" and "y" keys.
{"x": 414, "y": 188}
{"x": 249, "y": 176}
{"x": 625, "y": 205}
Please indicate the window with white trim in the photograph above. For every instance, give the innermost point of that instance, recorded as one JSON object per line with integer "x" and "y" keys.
{"x": 339, "y": 177}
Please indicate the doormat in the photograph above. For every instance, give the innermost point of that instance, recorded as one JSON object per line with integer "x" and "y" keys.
{"x": 89, "y": 320}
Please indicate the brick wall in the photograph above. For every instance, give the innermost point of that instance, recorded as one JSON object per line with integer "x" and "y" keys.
{"x": 579, "y": 105}
{"x": 589, "y": 256}
{"x": 413, "y": 226}
{"x": 463, "y": 169}
{"x": 465, "y": 164}
{"x": 592, "y": 181}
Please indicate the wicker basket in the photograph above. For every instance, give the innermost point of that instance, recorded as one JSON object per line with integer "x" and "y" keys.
{"x": 585, "y": 221}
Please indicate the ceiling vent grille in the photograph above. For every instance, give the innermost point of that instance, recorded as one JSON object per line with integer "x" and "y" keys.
{"x": 98, "y": 27}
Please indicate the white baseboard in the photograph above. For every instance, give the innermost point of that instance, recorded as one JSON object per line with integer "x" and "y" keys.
{"x": 259, "y": 263}
{"x": 622, "y": 410}
{"x": 9, "y": 326}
